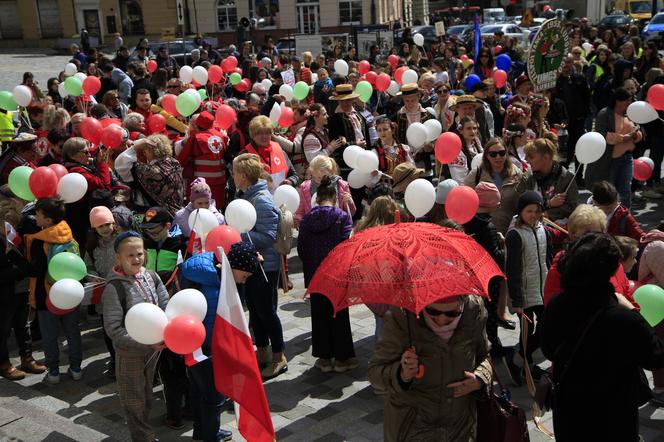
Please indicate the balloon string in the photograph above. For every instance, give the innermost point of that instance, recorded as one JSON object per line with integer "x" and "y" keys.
{"x": 259, "y": 262}
{"x": 573, "y": 178}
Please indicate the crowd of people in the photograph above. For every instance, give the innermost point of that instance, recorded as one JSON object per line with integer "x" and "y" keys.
{"x": 571, "y": 264}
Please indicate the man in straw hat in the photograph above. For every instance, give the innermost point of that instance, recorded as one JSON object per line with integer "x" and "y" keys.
{"x": 464, "y": 106}
{"x": 403, "y": 175}
{"x": 413, "y": 112}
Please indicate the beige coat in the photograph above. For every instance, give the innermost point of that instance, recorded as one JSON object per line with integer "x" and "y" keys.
{"x": 426, "y": 410}
{"x": 502, "y": 216}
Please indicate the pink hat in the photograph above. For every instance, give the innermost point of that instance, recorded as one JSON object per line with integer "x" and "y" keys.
{"x": 100, "y": 215}
{"x": 489, "y": 196}
{"x": 199, "y": 189}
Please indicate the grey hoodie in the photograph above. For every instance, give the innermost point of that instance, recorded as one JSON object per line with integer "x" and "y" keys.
{"x": 115, "y": 310}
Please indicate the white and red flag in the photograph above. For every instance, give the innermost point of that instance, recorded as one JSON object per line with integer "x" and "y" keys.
{"x": 12, "y": 236}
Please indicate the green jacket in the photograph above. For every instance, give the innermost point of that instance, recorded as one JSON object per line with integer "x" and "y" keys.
{"x": 163, "y": 258}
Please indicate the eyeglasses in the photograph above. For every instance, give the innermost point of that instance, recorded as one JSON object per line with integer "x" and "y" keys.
{"x": 443, "y": 91}
{"x": 450, "y": 314}
{"x": 496, "y": 153}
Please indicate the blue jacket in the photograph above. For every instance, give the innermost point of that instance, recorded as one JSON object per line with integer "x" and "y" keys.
{"x": 264, "y": 233}
{"x": 200, "y": 269}
{"x": 123, "y": 83}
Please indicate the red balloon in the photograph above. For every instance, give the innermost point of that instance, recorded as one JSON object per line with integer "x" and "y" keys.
{"x": 371, "y": 77}
{"x": 184, "y": 334}
{"x": 43, "y": 182}
{"x": 108, "y": 121}
{"x": 221, "y": 236}
{"x": 461, "y": 204}
{"x": 56, "y": 311}
{"x": 286, "y": 118}
{"x": 229, "y": 63}
{"x": 399, "y": 73}
{"x": 157, "y": 123}
{"x": 497, "y": 50}
{"x": 383, "y": 82}
{"x": 448, "y": 146}
{"x": 91, "y": 129}
{"x": 152, "y": 66}
{"x": 111, "y": 136}
{"x": 364, "y": 67}
{"x": 393, "y": 60}
{"x": 225, "y": 116}
{"x": 247, "y": 84}
{"x": 500, "y": 78}
{"x": 463, "y": 57}
{"x": 642, "y": 171}
{"x": 168, "y": 103}
{"x": 215, "y": 74}
{"x": 238, "y": 70}
{"x": 59, "y": 170}
{"x": 656, "y": 96}
{"x": 91, "y": 85}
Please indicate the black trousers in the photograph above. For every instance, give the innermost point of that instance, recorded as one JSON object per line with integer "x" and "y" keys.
{"x": 331, "y": 336}
{"x": 14, "y": 309}
{"x": 173, "y": 374}
{"x": 262, "y": 301}
{"x": 497, "y": 349}
{"x": 533, "y": 332}
{"x": 575, "y": 129}
{"x": 206, "y": 401}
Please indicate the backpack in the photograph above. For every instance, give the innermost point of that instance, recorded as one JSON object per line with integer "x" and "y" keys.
{"x": 54, "y": 249}
{"x": 284, "y": 232}
{"x": 122, "y": 294}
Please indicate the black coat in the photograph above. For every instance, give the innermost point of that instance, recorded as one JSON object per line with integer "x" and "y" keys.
{"x": 575, "y": 92}
{"x": 603, "y": 387}
{"x": 13, "y": 268}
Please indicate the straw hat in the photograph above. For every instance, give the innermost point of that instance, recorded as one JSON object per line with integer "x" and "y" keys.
{"x": 409, "y": 89}
{"x": 403, "y": 175}
{"x": 344, "y": 92}
{"x": 465, "y": 99}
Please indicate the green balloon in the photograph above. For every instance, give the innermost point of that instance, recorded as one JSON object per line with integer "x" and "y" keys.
{"x": 202, "y": 93}
{"x": 235, "y": 78}
{"x": 365, "y": 90}
{"x": 19, "y": 182}
{"x": 74, "y": 86}
{"x": 301, "y": 90}
{"x": 67, "y": 265}
{"x": 186, "y": 104}
{"x": 7, "y": 101}
{"x": 651, "y": 299}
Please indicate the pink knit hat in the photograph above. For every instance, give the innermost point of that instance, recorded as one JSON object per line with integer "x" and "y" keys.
{"x": 100, "y": 215}
{"x": 200, "y": 189}
{"x": 489, "y": 196}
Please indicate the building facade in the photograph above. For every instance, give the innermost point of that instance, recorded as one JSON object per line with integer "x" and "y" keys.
{"x": 52, "y": 22}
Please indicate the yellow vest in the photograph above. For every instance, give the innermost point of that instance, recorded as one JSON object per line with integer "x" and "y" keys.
{"x": 7, "y": 130}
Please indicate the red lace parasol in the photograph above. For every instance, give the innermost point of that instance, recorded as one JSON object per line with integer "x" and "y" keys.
{"x": 408, "y": 265}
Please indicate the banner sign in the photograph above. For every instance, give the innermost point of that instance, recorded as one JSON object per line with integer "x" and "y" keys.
{"x": 547, "y": 54}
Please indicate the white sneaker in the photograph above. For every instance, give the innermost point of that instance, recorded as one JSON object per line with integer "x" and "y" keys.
{"x": 76, "y": 374}
{"x": 52, "y": 378}
{"x": 650, "y": 193}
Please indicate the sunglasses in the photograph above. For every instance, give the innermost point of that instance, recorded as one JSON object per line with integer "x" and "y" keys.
{"x": 171, "y": 86}
{"x": 450, "y": 314}
{"x": 443, "y": 91}
{"x": 496, "y": 153}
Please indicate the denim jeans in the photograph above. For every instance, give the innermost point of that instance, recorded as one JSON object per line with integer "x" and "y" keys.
{"x": 206, "y": 401}
{"x": 620, "y": 176}
{"x": 49, "y": 325}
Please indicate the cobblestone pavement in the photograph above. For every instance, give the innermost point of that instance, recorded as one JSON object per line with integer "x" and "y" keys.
{"x": 44, "y": 64}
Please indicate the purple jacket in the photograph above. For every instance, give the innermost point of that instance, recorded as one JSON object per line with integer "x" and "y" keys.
{"x": 320, "y": 231}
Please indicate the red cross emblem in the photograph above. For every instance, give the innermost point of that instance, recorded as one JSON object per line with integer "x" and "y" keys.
{"x": 215, "y": 144}
{"x": 277, "y": 161}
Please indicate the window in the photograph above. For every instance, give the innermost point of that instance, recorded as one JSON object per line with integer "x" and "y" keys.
{"x": 266, "y": 13}
{"x": 226, "y": 15}
{"x": 350, "y": 12}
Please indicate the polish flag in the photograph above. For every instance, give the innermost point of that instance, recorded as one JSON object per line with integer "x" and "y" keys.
{"x": 12, "y": 236}
{"x": 236, "y": 372}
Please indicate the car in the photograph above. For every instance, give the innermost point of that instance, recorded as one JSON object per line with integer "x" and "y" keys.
{"x": 614, "y": 20}
{"x": 286, "y": 45}
{"x": 459, "y": 30}
{"x": 654, "y": 28}
{"x": 509, "y": 30}
{"x": 177, "y": 49}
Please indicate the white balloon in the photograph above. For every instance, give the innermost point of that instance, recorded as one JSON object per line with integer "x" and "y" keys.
{"x": 417, "y": 135}
{"x": 477, "y": 161}
{"x": 418, "y": 39}
{"x": 267, "y": 84}
{"x": 410, "y": 76}
{"x": 194, "y": 93}
{"x": 587, "y": 47}
{"x": 445, "y": 77}
{"x": 62, "y": 91}
{"x": 145, "y": 323}
{"x": 186, "y": 74}
{"x": 431, "y": 110}
{"x": 443, "y": 189}
{"x": 200, "y": 75}
{"x": 639, "y": 112}
{"x": 590, "y": 147}
{"x": 287, "y": 91}
{"x": 357, "y": 179}
{"x": 202, "y": 221}
{"x": 420, "y": 197}
{"x": 187, "y": 302}
{"x": 287, "y": 196}
{"x": 314, "y": 77}
{"x": 81, "y": 76}
{"x": 275, "y": 113}
{"x": 367, "y": 161}
{"x": 648, "y": 161}
{"x": 394, "y": 88}
{"x": 70, "y": 69}
{"x": 350, "y": 155}
{"x": 434, "y": 129}
{"x": 66, "y": 293}
{"x": 341, "y": 67}
{"x": 22, "y": 95}
{"x": 241, "y": 215}
{"x": 72, "y": 187}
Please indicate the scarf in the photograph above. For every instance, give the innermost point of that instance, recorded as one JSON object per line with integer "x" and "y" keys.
{"x": 444, "y": 332}
{"x": 265, "y": 152}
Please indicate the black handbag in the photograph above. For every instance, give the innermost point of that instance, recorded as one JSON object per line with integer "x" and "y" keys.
{"x": 499, "y": 419}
